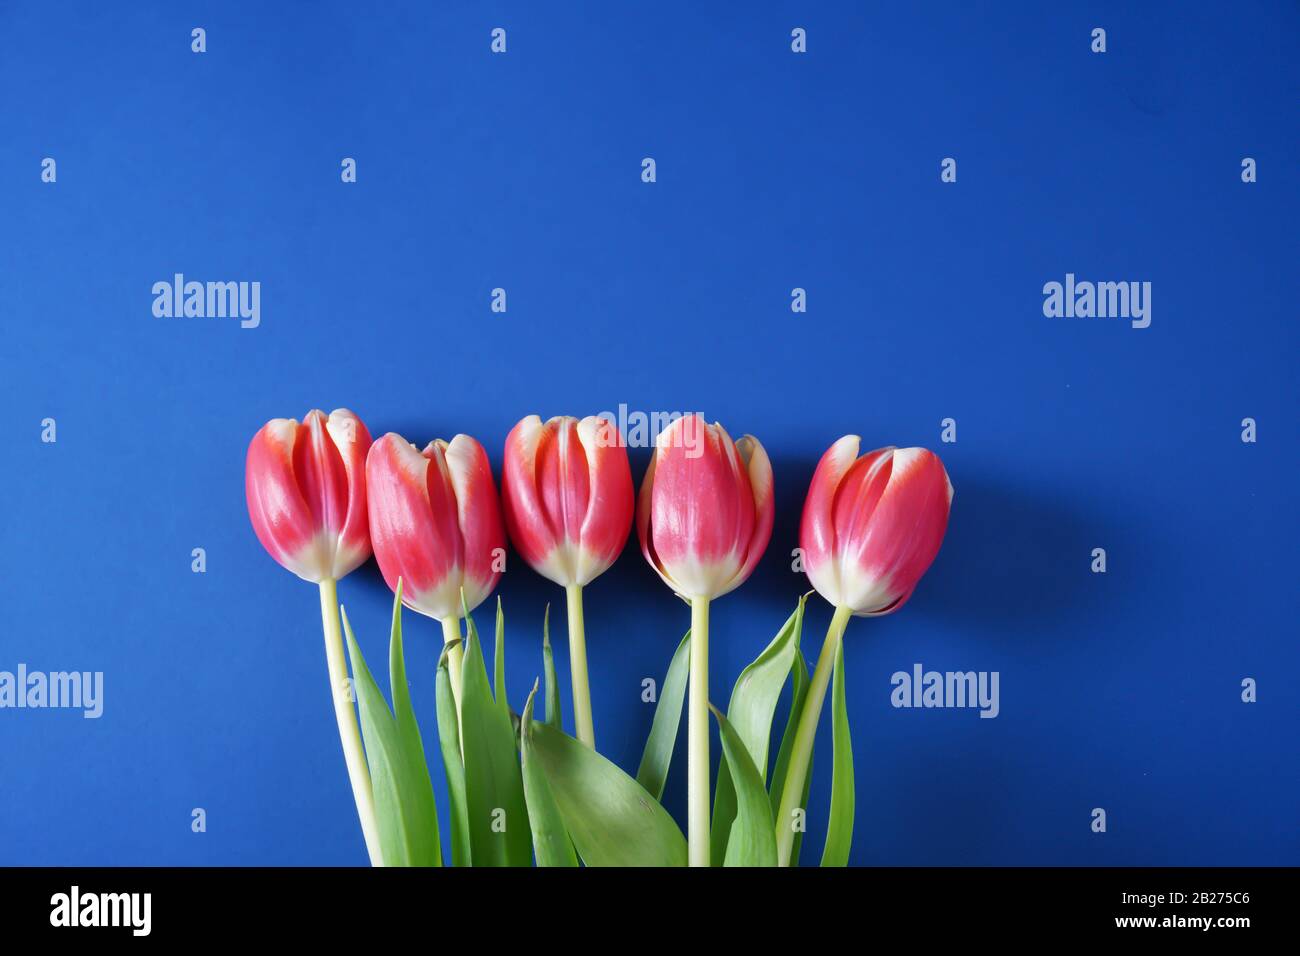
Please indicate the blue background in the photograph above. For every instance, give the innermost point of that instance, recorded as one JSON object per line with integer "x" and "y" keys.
{"x": 775, "y": 170}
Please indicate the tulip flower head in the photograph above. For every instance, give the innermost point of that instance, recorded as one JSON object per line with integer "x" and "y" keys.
{"x": 873, "y": 524}
{"x": 435, "y": 522}
{"x": 306, "y": 490}
{"x": 566, "y": 488}
{"x": 705, "y": 511}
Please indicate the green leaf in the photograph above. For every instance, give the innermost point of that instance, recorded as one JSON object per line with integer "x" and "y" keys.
{"x": 494, "y": 790}
{"x": 839, "y": 831}
{"x": 499, "y": 662}
{"x": 753, "y": 839}
{"x": 658, "y": 753}
{"x": 551, "y": 841}
{"x": 449, "y": 739}
{"x": 548, "y": 668}
{"x": 799, "y": 677}
{"x": 429, "y": 851}
{"x": 611, "y": 818}
{"x": 753, "y": 702}
{"x": 404, "y": 807}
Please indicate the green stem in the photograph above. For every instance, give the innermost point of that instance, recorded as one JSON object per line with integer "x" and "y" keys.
{"x": 697, "y": 728}
{"x": 349, "y": 732}
{"x": 805, "y": 734}
{"x": 578, "y": 667}
{"x": 455, "y": 655}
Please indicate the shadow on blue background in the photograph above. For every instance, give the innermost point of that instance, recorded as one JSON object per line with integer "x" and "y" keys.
{"x": 775, "y": 171}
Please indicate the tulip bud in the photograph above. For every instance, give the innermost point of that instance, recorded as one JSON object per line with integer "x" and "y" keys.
{"x": 873, "y": 525}
{"x": 566, "y": 491}
{"x": 705, "y": 511}
{"x": 704, "y": 517}
{"x": 435, "y": 522}
{"x": 306, "y": 490}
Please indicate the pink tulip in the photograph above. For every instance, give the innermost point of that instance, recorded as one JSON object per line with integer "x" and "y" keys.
{"x": 873, "y": 525}
{"x": 704, "y": 518}
{"x": 705, "y": 512}
{"x": 567, "y": 493}
{"x": 306, "y": 490}
{"x": 566, "y": 488}
{"x": 435, "y": 522}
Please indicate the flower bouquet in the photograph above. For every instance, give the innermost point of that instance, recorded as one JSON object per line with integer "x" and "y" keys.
{"x": 322, "y": 498}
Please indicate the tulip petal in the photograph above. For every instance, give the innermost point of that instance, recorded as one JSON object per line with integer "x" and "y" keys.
{"x": 564, "y": 477}
{"x": 817, "y": 527}
{"x": 352, "y": 439}
{"x": 413, "y": 526}
{"x": 645, "y": 500}
{"x": 907, "y": 525}
{"x": 758, "y": 468}
{"x": 479, "y": 513}
{"x": 279, "y": 513}
{"x": 856, "y": 499}
{"x": 321, "y": 476}
{"x": 562, "y": 488}
{"x": 524, "y": 515}
{"x": 747, "y": 511}
{"x": 608, "y": 519}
